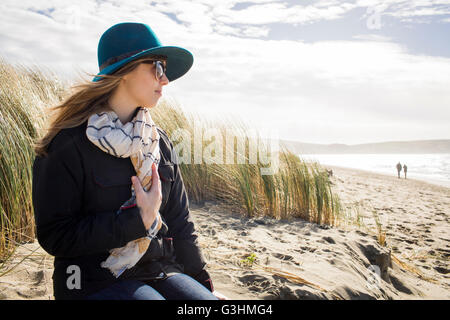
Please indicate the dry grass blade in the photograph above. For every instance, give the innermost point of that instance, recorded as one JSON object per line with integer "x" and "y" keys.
{"x": 284, "y": 274}
{"x": 411, "y": 269}
{"x": 294, "y": 278}
{"x": 18, "y": 263}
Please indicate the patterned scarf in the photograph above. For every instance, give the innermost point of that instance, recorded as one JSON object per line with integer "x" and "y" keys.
{"x": 139, "y": 140}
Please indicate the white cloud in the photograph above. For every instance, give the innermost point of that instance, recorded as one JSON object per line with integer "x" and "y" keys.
{"x": 406, "y": 9}
{"x": 317, "y": 92}
{"x": 276, "y": 12}
{"x": 372, "y": 37}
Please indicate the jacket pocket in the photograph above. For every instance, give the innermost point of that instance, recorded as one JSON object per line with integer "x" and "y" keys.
{"x": 110, "y": 189}
{"x": 166, "y": 171}
{"x": 114, "y": 178}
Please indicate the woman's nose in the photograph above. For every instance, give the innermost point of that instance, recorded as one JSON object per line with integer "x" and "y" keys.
{"x": 164, "y": 80}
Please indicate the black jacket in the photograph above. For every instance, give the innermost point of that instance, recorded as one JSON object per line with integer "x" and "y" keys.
{"x": 77, "y": 191}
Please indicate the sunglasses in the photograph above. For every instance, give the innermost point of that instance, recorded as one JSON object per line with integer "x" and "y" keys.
{"x": 160, "y": 69}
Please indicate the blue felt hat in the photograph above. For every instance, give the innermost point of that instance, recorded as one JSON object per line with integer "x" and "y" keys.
{"x": 125, "y": 42}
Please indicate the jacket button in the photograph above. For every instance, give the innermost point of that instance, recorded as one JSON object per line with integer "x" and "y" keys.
{"x": 161, "y": 274}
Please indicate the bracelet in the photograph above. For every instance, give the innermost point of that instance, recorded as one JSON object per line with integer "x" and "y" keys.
{"x": 151, "y": 233}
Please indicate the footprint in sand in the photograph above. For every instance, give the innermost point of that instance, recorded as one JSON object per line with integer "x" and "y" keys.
{"x": 255, "y": 281}
{"x": 31, "y": 293}
{"x": 361, "y": 233}
{"x": 441, "y": 269}
{"x": 281, "y": 256}
{"x": 445, "y": 252}
{"x": 38, "y": 277}
{"x": 421, "y": 225}
{"x": 329, "y": 240}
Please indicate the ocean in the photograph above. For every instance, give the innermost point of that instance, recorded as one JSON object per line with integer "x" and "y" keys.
{"x": 434, "y": 168}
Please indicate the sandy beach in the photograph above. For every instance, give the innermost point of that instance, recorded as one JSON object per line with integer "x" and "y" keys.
{"x": 301, "y": 260}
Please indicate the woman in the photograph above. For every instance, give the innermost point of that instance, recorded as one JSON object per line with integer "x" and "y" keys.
{"x": 108, "y": 195}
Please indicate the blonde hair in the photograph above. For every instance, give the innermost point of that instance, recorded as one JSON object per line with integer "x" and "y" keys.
{"x": 88, "y": 98}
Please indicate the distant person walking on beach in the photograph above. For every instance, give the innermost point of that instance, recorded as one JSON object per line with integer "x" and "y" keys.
{"x": 399, "y": 169}
{"x": 405, "y": 168}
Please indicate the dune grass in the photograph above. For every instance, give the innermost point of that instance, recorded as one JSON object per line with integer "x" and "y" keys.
{"x": 24, "y": 93}
{"x": 297, "y": 189}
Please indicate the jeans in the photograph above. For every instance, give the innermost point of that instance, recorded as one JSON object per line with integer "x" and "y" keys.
{"x": 177, "y": 287}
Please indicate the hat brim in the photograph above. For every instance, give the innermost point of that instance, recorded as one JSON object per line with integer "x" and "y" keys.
{"x": 179, "y": 61}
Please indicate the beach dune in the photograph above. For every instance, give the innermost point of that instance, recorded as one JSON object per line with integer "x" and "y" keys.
{"x": 263, "y": 258}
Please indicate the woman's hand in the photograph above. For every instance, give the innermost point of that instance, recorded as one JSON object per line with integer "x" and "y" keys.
{"x": 219, "y": 295}
{"x": 148, "y": 202}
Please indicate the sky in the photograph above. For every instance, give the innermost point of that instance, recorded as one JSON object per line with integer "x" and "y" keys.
{"x": 320, "y": 71}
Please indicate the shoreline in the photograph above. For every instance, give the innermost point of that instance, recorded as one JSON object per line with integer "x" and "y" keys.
{"x": 438, "y": 183}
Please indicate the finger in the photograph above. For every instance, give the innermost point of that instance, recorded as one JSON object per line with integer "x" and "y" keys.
{"x": 155, "y": 174}
{"x": 136, "y": 184}
{"x": 156, "y": 182}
